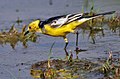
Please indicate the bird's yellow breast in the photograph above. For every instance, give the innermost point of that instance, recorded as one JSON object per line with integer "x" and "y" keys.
{"x": 61, "y": 31}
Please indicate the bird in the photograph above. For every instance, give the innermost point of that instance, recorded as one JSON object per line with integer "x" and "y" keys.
{"x": 61, "y": 26}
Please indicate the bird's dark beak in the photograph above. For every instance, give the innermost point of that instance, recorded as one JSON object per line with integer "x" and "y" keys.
{"x": 26, "y": 33}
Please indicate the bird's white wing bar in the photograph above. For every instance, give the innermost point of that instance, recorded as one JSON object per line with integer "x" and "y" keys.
{"x": 63, "y": 20}
{"x": 60, "y": 21}
{"x": 76, "y": 15}
{"x": 85, "y": 19}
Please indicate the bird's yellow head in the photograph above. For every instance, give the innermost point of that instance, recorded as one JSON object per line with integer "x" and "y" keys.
{"x": 33, "y": 27}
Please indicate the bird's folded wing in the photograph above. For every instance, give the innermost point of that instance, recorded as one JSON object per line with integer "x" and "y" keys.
{"x": 59, "y": 21}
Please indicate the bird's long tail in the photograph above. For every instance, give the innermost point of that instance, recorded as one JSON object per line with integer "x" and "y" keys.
{"x": 87, "y": 17}
{"x": 105, "y": 13}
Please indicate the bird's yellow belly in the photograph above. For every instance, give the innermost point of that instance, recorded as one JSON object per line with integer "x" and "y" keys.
{"x": 57, "y": 32}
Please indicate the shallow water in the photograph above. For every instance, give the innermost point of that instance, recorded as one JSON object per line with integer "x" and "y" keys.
{"x": 16, "y": 63}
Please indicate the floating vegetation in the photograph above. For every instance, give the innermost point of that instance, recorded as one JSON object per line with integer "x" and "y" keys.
{"x": 114, "y": 23}
{"x": 75, "y": 69}
{"x": 106, "y": 67}
{"x": 110, "y": 68}
{"x": 13, "y": 37}
{"x": 60, "y": 69}
{"x": 94, "y": 31}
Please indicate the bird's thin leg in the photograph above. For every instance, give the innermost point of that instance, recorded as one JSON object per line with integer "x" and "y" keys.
{"x": 77, "y": 40}
{"x": 66, "y": 44}
{"x": 77, "y": 34}
{"x": 77, "y": 48}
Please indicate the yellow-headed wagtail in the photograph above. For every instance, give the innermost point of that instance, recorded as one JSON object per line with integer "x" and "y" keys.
{"x": 60, "y": 26}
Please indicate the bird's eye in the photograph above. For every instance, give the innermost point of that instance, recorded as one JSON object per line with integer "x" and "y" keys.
{"x": 29, "y": 27}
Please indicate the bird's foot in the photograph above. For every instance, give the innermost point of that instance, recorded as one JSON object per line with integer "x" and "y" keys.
{"x": 77, "y": 50}
{"x": 80, "y": 50}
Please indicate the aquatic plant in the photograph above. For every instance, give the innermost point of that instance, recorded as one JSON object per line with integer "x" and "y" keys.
{"x": 18, "y": 21}
{"x": 12, "y": 37}
{"x": 114, "y": 23}
{"x": 110, "y": 69}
